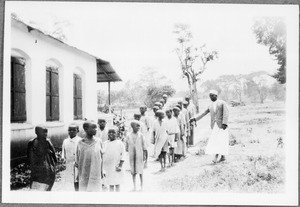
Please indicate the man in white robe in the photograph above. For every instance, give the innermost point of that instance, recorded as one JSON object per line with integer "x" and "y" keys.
{"x": 218, "y": 143}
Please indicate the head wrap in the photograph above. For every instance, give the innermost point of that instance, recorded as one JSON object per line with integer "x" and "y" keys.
{"x": 213, "y": 92}
{"x": 143, "y": 106}
{"x": 155, "y": 107}
{"x": 176, "y": 108}
{"x": 158, "y": 104}
{"x": 135, "y": 122}
{"x": 160, "y": 112}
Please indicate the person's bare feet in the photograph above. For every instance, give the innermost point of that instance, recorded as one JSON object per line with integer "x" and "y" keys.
{"x": 222, "y": 159}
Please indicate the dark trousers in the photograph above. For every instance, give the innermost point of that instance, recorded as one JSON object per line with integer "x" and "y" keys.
{"x": 76, "y": 186}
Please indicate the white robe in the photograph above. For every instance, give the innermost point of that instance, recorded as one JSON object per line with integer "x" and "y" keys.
{"x": 114, "y": 152}
{"x": 135, "y": 145}
{"x": 180, "y": 148}
{"x": 172, "y": 127}
{"x": 161, "y": 137}
{"x": 102, "y": 134}
{"x": 146, "y": 129}
{"x": 218, "y": 142}
{"x": 68, "y": 153}
{"x": 89, "y": 159}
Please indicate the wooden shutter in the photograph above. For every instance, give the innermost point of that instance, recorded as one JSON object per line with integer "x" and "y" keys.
{"x": 77, "y": 97}
{"x": 18, "y": 91}
{"x": 52, "y": 94}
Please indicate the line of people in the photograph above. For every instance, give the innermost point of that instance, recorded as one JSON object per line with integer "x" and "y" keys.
{"x": 95, "y": 161}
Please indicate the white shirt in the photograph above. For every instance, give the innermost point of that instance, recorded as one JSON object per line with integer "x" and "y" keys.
{"x": 69, "y": 148}
{"x": 214, "y": 104}
{"x": 102, "y": 134}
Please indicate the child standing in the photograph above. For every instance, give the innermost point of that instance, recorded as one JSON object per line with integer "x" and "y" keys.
{"x": 89, "y": 159}
{"x": 113, "y": 159}
{"x": 136, "y": 147}
{"x": 146, "y": 121}
{"x": 160, "y": 139}
{"x": 173, "y": 133}
{"x": 179, "y": 150}
{"x": 103, "y": 131}
{"x": 42, "y": 159}
{"x": 68, "y": 155}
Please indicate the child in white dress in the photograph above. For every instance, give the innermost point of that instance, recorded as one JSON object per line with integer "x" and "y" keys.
{"x": 68, "y": 155}
{"x": 113, "y": 159}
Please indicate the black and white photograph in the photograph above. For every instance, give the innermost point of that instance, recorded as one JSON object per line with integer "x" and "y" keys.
{"x": 150, "y": 103}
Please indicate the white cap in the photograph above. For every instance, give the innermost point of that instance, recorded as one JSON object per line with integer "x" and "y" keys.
{"x": 213, "y": 92}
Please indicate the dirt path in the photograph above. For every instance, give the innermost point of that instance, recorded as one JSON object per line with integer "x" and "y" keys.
{"x": 255, "y": 132}
{"x": 152, "y": 175}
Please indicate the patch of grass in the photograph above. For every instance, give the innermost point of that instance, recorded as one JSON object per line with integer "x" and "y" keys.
{"x": 255, "y": 174}
{"x": 233, "y": 140}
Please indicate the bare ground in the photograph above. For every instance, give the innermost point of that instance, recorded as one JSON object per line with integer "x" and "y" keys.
{"x": 255, "y": 163}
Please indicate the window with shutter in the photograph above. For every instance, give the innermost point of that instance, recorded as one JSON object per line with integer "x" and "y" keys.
{"x": 18, "y": 91}
{"x": 52, "y": 94}
{"x": 77, "y": 96}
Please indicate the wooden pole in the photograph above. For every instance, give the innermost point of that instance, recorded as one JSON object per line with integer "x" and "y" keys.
{"x": 108, "y": 92}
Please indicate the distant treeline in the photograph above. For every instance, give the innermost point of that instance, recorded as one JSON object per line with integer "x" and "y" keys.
{"x": 253, "y": 87}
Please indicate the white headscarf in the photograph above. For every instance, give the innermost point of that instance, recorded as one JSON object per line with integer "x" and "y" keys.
{"x": 213, "y": 92}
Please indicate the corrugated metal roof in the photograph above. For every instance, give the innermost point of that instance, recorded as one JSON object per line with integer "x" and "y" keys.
{"x": 105, "y": 72}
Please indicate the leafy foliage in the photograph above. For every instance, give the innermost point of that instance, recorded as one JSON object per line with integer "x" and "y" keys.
{"x": 149, "y": 89}
{"x": 271, "y": 31}
{"x": 155, "y": 93}
{"x": 255, "y": 86}
{"x": 193, "y": 59}
{"x": 119, "y": 122}
{"x": 19, "y": 176}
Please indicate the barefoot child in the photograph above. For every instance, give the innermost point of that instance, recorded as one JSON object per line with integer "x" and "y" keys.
{"x": 68, "y": 155}
{"x": 146, "y": 120}
{"x": 160, "y": 138}
{"x": 89, "y": 159}
{"x": 179, "y": 150}
{"x": 113, "y": 159}
{"x": 135, "y": 146}
{"x": 173, "y": 133}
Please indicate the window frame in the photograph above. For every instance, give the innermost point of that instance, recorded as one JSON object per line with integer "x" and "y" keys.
{"x": 52, "y": 94}
{"x": 16, "y": 89}
{"x": 77, "y": 96}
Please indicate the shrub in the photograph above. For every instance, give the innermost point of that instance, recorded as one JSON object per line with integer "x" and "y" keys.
{"x": 20, "y": 175}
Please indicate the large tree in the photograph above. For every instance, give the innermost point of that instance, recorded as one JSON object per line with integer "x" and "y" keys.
{"x": 193, "y": 60}
{"x": 154, "y": 86}
{"x": 271, "y": 31}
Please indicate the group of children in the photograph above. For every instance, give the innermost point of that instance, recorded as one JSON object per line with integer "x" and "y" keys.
{"x": 170, "y": 130}
{"x": 95, "y": 161}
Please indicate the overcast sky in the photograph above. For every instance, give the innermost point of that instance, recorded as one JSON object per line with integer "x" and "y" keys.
{"x": 132, "y": 36}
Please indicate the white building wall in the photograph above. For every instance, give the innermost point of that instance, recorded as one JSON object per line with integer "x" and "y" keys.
{"x": 42, "y": 49}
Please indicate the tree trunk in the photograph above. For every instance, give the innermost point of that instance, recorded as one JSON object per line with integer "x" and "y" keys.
{"x": 194, "y": 93}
